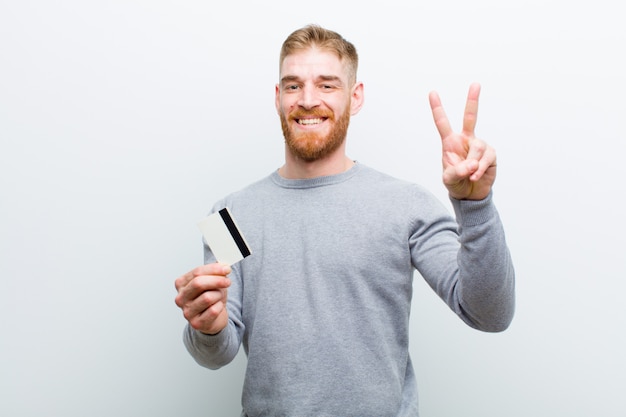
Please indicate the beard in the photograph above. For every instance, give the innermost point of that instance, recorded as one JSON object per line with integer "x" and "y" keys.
{"x": 313, "y": 146}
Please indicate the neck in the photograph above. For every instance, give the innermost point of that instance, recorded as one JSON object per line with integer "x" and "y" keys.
{"x": 296, "y": 168}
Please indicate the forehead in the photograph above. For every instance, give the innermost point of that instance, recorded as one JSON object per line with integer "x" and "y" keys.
{"x": 312, "y": 63}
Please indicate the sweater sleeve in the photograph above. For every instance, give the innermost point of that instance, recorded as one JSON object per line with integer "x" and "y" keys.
{"x": 476, "y": 277}
{"x": 212, "y": 351}
{"x": 486, "y": 289}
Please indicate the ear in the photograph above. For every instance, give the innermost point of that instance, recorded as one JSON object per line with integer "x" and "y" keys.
{"x": 277, "y": 99}
{"x": 356, "y": 98}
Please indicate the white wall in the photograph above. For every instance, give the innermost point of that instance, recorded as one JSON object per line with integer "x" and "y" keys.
{"x": 121, "y": 122}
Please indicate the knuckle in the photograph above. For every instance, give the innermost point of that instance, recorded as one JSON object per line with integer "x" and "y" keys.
{"x": 214, "y": 311}
{"x": 202, "y": 270}
{"x": 179, "y": 282}
{"x": 179, "y": 300}
{"x": 479, "y": 145}
{"x": 196, "y": 323}
{"x": 196, "y": 284}
{"x": 188, "y": 315}
{"x": 206, "y": 298}
{"x": 199, "y": 270}
{"x": 206, "y": 319}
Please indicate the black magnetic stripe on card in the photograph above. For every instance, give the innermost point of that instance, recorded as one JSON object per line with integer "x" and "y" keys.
{"x": 234, "y": 232}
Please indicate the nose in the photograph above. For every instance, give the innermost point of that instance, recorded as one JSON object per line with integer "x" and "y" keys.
{"x": 309, "y": 97}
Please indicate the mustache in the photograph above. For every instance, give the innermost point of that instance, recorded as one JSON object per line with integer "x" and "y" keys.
{"x": 313, "y": 113}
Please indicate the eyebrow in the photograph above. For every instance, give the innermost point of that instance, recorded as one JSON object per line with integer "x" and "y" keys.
{"x": 291, "y": 78}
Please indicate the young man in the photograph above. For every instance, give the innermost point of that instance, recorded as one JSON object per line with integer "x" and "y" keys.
{"x": 322, "y": 305}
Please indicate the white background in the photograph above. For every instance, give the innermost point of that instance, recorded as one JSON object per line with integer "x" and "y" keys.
{"x": 121, "y": 122}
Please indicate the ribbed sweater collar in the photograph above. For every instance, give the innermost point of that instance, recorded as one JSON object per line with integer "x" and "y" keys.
{"x": 316, "y": 182}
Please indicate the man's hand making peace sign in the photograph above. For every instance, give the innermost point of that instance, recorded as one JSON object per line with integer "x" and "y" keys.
{"x": 469, "y": 164}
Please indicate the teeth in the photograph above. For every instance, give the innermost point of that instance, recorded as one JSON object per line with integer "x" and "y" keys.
{"x": 310, "y": 121}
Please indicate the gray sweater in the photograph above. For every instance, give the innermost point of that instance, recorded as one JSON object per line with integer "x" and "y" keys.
{"x": 322, "y": 305}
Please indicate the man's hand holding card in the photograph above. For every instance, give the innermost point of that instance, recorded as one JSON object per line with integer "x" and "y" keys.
{"x": 203, "y": 291}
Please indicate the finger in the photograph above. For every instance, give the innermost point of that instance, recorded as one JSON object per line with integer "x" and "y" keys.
{"x": 439, "y": 115}
{"x": 471, "y": 110}
{"x": 487, "y": 161}
{"x": 212, "y": 320}
{"x": 200, "y": 285}
{"x": 183, "y": 280}
{"x": 208, "y": 269}
{"x": 461, "y": 171}
{"x": 479, "y": 158}
{"x": 477, "y": 149}
{"x": 203, "y": 302}
{"x": 205, "y": 283}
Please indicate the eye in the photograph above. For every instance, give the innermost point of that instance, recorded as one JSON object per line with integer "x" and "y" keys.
{"x": 291, "y": 87}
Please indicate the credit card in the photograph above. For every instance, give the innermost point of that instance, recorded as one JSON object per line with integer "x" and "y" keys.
{"x": 226, "y": 241}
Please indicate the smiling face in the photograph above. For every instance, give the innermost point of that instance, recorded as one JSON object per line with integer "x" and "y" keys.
{"x": 315, "y": 100}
